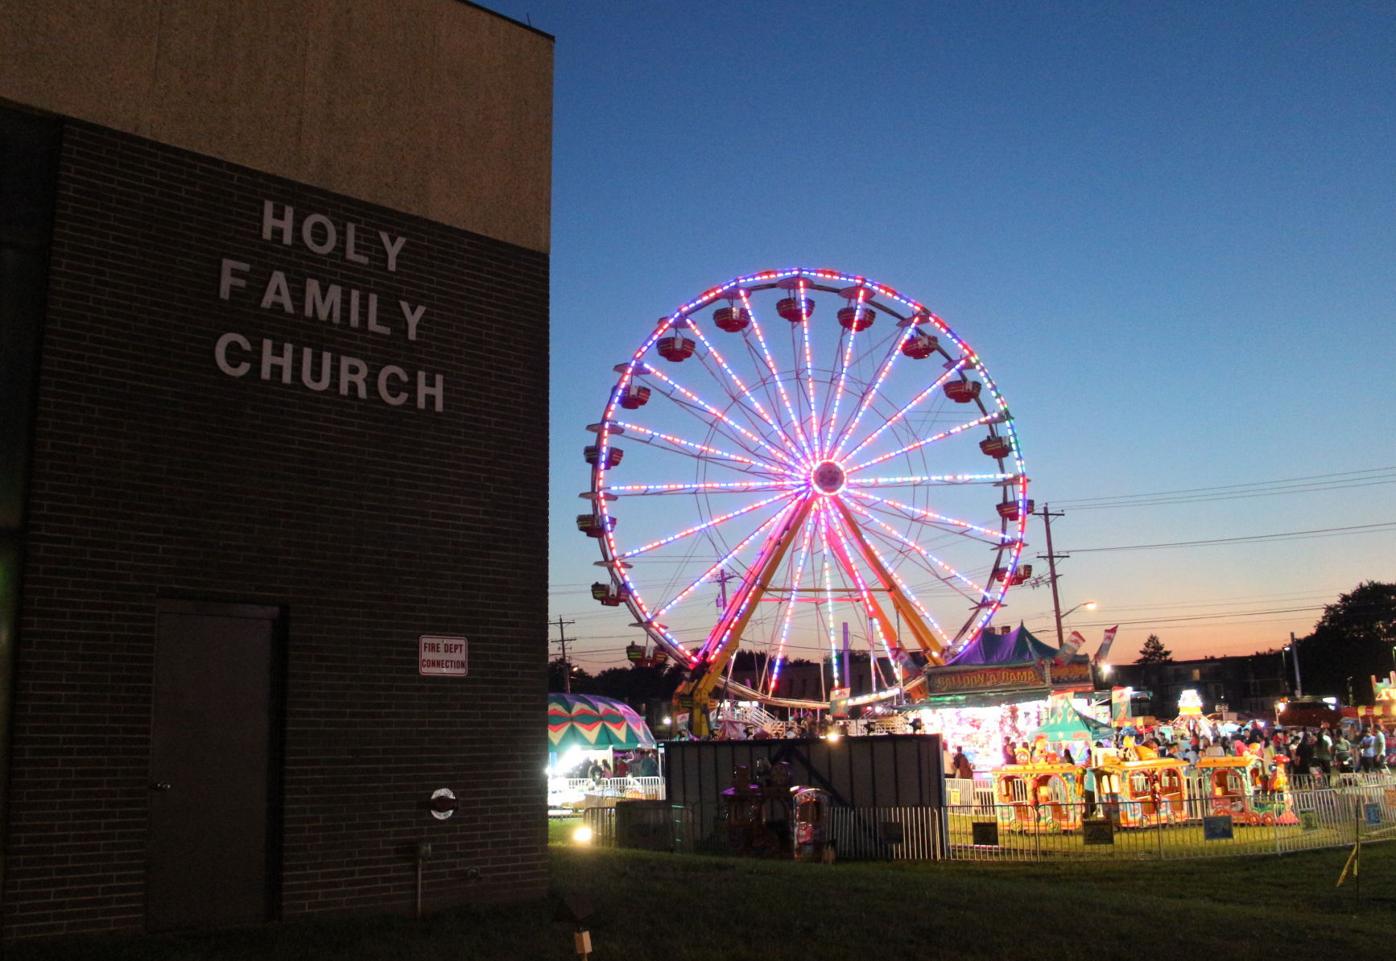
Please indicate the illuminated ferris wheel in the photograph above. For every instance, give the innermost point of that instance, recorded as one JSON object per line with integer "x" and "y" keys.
{"x": 800, "y": 460}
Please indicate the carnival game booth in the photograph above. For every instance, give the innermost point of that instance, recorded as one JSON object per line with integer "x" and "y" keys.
{"x": 997, "y": 687}
{"x": 1241, "y": 787}
{"x": 583, "y": 728}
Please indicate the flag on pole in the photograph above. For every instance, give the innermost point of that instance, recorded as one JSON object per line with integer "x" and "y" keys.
{"x": 1105, "y": 643}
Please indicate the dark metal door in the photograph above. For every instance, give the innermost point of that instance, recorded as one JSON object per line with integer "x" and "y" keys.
{"x": 211, "y": 839}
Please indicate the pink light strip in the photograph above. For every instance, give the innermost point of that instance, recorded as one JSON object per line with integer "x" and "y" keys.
{"x": 780, "y": 454}
{"x": 944, "y": 638}
{"x": 805, "y": 445}
{"x": 809, "y": 368}
{"x": 909, "y": 480}
{"x": 746, "y": 391}
{"x": 775, "y": 518}
{"x": 829, "y": 599}
{"x": 935, "y": 385}
{"x": 702, "y": 448}
{"x": 872, "y": 390}
{"x": 827, "y": 442}
{"x": 926, "y": 441}
{"x": 763, "y": 486}
{"x": 998, "y": 536}
{"x": 699, "y": 528}
{"x": 858, "y": 580}
{"x": 808, "y": 534}
{"x": 978, "y": 589}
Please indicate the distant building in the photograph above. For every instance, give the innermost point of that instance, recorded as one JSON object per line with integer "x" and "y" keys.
{"x": 1248, "y": 683}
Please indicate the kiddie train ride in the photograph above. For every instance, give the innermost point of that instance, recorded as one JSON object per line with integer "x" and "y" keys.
{"x": 799, "y": 476}
{"x": 1049, "y": 795}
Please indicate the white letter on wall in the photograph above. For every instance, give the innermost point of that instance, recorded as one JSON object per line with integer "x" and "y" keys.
{"x": 226, "y": 280}
{"x": 272, "y": 223}
{"x": 220, "y": 355}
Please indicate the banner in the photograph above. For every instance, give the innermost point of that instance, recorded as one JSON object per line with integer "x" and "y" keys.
{"x": 1105, "y": 643}
{"x": 1072, "y": 645}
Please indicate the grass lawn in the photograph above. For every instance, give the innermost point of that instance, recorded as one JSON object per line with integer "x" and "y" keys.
{"x": 693, "y": 908}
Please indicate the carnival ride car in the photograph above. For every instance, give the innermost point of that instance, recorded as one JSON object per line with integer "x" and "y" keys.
{"x": 1149, "y": 792}
{"x": 1240, "y": 787}
{"x": 767, "y": 816}
{"x": 1039, "y": 798}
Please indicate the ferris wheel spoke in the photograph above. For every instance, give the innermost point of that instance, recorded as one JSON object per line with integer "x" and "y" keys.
{"x": 692, "y": 400}
{"x": 805, "y": 444}
{"x": 846, "y": 355}
{"x": 930, "y": 480}
{"x": 705, "y": 526}
{"x": 880, "y": 625}
{"x": 993, "y": 418}
{"x": 900, "y": 538}
{"x": 703, "y": 487}
{"x": 939, "y": 521}
{"x": 744, "y": 394}
{"x": 801, "y": 289}
{"x": 789, "y": 603}
{"x": 938, "y": 383}
{"x": 726, "y": 559}
{"x": 870, "y": 391}
{"x": 829, "y": 597}
{"x": 679, "y": 445}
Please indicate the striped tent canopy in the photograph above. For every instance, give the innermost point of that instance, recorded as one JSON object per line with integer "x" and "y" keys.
{"x": 593, "y": 723}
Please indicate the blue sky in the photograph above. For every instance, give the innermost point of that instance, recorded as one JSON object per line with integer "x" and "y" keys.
{"x": 1166, "y": 228}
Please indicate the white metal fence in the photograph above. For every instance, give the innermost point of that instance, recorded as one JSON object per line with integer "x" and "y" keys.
{"x": 1203, "y": 826}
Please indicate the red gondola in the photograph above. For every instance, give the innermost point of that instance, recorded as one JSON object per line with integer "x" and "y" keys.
{"x": 996, "y": 447}
{"x": 919, "y": 345}
{"x": 676, "y": 347}
{"x": 635, "y": 653}
{"x": 635, "y": 396}
{"x": 1009, "y": 510}
{"x": 856, "y": 318}
{"x": 608, "y": 595}
{"x": 614, "y": 455}
{"x": 795, "y": 309}
{"x": 591, "y": 526}
{"x": 963, "y": 391}
{"x": 1021, "y": 575}
{"x": 732, "y": 319}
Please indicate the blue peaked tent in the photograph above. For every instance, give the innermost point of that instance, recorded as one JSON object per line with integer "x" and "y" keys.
{"x": 1016, "y": 647}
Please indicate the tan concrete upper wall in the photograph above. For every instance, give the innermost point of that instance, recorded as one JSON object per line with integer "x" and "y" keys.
{"x": 433, "y": 107}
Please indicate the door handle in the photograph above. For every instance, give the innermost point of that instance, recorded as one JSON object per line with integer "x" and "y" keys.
{"x": 161, "y": 786}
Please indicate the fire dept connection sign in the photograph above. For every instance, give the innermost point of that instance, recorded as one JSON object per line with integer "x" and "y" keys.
{"x": 440, "y": 656}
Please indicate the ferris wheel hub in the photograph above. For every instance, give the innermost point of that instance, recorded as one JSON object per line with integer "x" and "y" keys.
{"x": 828, "y": 477}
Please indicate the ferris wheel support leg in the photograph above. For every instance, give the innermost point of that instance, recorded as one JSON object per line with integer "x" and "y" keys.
{"x": 910, "y": 617}
{"x": 695, "y": 693}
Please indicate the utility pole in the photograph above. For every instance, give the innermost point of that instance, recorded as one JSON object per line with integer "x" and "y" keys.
{"x": 1051, "y": 558}
{"x": 722, "y": 578}
{"x": 1298, "y": 678}
{"x": 562, "y": 640}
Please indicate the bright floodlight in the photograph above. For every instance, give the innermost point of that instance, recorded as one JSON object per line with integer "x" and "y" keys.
{"x": 582, "y": 835}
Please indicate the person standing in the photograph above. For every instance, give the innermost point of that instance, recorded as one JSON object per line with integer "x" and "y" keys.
{"x": 962, "y": 767}
{"x": 1323, "y": 752}
{"x": 1367, "y": 751}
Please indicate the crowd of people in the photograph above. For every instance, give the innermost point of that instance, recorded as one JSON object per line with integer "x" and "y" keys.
{"x": 1324, "y": 750}
{"x": 641, "y": 763}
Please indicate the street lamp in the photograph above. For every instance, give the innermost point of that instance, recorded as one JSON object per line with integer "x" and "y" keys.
{"x": 1092, "y": 605}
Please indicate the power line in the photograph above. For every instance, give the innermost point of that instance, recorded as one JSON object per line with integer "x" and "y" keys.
{"x": 1248, "y": 539}
{"x": 1347, "y": 476}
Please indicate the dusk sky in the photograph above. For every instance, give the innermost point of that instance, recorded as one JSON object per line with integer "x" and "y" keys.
{"x": 1168, "y": 229}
